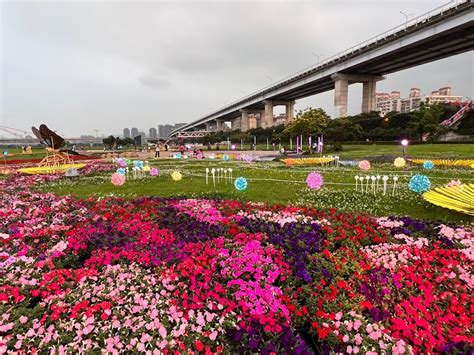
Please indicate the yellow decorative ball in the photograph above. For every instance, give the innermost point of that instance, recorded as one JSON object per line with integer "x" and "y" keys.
{"x": 146, "y": 168}
{"x": 399, "y": 162}
{"x": 176, "y": 176}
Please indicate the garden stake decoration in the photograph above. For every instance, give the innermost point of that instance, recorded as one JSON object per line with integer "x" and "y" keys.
{"x": 207, "y": 176}
{"x": 395, "y": 179}
{"x": 373, "y": 178}
{"x": 361, "y": 179}
{"x": 378, "y": 180}
{"x": 356, "y": 179}
{"x": 367, "y": 178}
{"x": 230, "y": 174}
{"x": 225, "y": 176}
{"x": 385, "y": 179}
{"x": 213, "y": 172}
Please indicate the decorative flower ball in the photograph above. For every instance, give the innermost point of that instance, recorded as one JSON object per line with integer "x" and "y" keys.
{"x": 176, "y": 176}
{"x": 454, "y": 183}
{"x": 399, "y": 162}
{"x": 212, "y": 156}
{"x": 314, "y": 180}
{"x": 121, "y": 171}
{"x": 118, "y": 179}
{"x": 146, "y": 168}
{"x": 364, "y": 165}
{"x": 428, "y": 165}
{"x": 240, "y": 183}
{"x": 199, "y": 156}
{"x": 248, "y": 158}
{"x": 138, "y": 164}
{"x": 121, "y": 162}
{"x": 128, "y": 161}
{"x": 177, "y": 156}
{"x": 153, "y": 171}
{"x": 225, "y": 157}
{"x": 419, "y": 183}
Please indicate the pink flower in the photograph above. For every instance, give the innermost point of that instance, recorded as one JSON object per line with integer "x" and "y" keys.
{"x": 213, "y": 335}
{"x": 349, "y": 349}
{"x": 163, "y": 332}
{"x": 345, "y": 338}
{"x": 357, "y": 324}
{"x": 23, "y": 319}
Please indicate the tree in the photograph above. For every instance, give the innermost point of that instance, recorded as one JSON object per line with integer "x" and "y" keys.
{"x": 109, "y": 141}
{"x": 308, "y": 122}
{"x": 426, "y": 120}
{"x": 342, "y": 129}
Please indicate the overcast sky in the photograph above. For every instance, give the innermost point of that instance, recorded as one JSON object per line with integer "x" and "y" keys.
{"x": 79, "y": 66}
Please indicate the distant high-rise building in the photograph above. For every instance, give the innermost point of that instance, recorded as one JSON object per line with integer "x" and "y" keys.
{"x": 392, "y": 102}
{"x": 161, "y": 131}
{"x": 134, "y": 132}
{"x": 126, "y": 133}
{"x": 178, "y": 125}
{"x": 152, "y": 132}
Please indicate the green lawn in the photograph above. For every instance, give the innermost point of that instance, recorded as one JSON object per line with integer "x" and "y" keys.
{"x": 274, "y": 183}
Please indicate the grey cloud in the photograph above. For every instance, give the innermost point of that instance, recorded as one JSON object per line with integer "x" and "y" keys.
{"x": 91, "y": 65}
{"x": 154, "y": 81}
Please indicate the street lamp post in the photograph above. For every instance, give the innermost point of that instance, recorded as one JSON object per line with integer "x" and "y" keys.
{"x": 404, "y": 143}
{"x": 406, "y": 17}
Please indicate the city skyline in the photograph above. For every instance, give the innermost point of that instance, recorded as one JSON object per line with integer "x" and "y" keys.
{"x": 95, "y": 78}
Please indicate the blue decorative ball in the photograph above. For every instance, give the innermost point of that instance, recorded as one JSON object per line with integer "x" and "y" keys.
{"x": 121, "y": 171}
{"x": 240, "y": 183}
{"x": 428, "y": 165}
{"x": 225, "y": 157}
{"x": 419, "y": 183}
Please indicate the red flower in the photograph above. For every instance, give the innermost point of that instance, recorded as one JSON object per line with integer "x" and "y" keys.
{"x": 199, "y": 346}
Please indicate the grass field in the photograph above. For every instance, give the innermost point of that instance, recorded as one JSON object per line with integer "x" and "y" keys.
{"x": 274, "y": 183}
{"x": 445, "y": 151}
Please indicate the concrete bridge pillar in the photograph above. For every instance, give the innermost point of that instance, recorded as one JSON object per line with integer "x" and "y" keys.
{"x": 209, "y": 126}
{"x": 268, "y": 116}
{"x": 236, "y": 123}
{"x": 290, "y": 111}
{"x": 219, "y": 125}
{"x": 341, "y": 89}
{"x": 368, "y": 95}
{"x": 244, "y": 120}
{"x": 341, "y": 85}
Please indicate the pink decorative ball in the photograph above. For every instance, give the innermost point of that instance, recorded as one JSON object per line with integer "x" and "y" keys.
{"x": 153, "y": 171}
{"x": 364, "y": 165}
{"x": 314, "y": 180}
{"x": 118, "y": 179}
{"x": 199, "y": 156}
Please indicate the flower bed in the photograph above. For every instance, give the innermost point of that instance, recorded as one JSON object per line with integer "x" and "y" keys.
{"x": 201, "y": 276}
